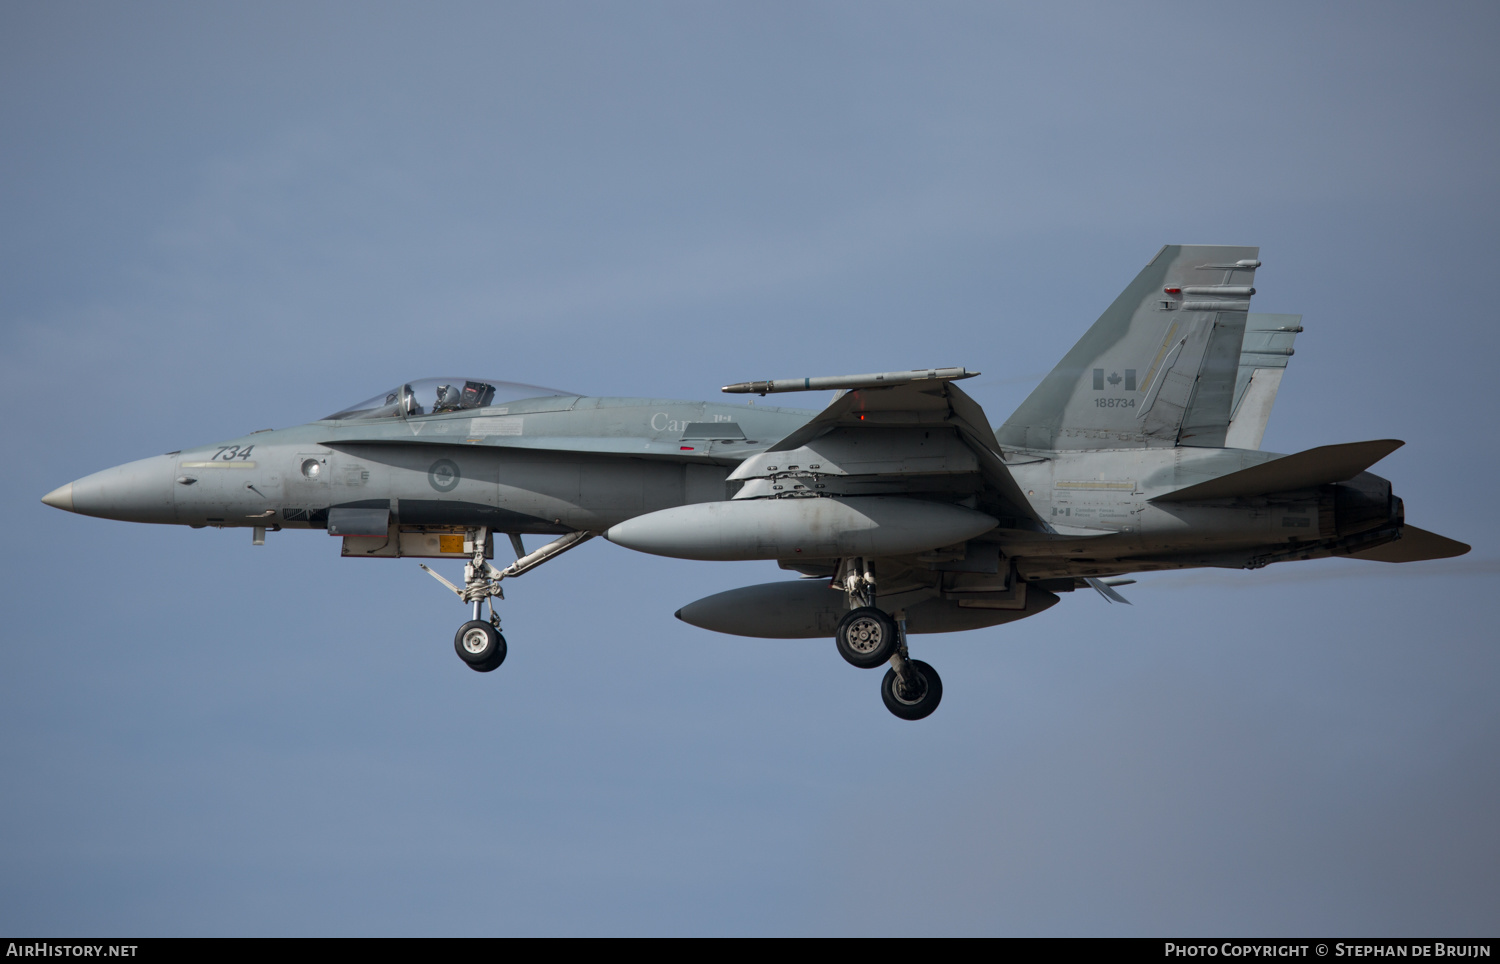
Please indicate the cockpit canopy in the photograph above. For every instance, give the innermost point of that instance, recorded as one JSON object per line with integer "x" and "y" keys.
{"x": 435, "y": 396}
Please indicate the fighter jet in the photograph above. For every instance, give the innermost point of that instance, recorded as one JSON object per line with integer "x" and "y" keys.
{"x": 903, "y": 510}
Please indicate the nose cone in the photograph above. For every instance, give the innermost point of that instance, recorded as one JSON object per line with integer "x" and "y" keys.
{"x": 60, "y": 497}
{"x": 133, "y": 492}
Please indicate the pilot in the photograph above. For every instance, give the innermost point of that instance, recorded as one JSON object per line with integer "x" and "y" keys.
{"x": 449, "y": 399}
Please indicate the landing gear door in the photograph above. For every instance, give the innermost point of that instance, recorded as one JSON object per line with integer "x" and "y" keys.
{"x": 415, "y": 542}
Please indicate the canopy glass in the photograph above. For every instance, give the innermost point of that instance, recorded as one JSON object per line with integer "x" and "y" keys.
{"x": 436, "y": 396}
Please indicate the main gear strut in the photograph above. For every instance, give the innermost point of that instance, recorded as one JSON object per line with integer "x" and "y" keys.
{"x": 868, "y": 636}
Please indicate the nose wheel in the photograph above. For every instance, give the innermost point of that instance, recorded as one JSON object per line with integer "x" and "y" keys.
{"x": 480, "y": 645}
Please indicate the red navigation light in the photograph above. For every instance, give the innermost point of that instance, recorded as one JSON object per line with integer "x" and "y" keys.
{"x": 685, "y": 448}
{"x": 1173, "y": 291}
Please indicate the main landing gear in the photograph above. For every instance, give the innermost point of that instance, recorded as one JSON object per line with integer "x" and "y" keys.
{"x": 912, "y": 692}
{"x": 868, "y": 637}
{"x": 479, "y": 642}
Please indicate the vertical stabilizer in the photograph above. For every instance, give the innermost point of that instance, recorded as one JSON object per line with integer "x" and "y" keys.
{"x": 1159, "y": 366}
{"x": 1263, "y": 360}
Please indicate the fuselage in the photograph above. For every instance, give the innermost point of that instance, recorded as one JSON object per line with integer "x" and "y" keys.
{"x": 567, "y": 463}
{"x": 545, "y": 465}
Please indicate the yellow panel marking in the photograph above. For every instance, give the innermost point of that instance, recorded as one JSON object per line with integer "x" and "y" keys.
{"x": 1160, "y": 354}
{"x": 1127, "y": 486}
{"x": 450, "y": 543}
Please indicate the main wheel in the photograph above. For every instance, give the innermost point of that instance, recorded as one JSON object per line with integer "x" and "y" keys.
{"x": 480, "y": 645}
{"x": 866, "y": 637}
{"x": 917, "y": 701}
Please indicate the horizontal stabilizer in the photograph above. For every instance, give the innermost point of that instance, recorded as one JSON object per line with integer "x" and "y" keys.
{"x": 1323, "y": 465}
{"x": 1414, "y": 546}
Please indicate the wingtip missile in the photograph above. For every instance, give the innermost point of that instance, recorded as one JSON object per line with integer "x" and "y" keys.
{"x": 848, "y": 382}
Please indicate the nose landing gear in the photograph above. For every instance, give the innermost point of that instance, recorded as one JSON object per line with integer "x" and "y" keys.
{"x": 479, "y": 642}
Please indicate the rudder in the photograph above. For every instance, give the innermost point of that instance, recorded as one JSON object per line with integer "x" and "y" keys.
{"x": 1263, "y": 360}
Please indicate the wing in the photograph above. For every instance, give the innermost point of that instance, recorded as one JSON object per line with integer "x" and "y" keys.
{"x": 922, "y": 438}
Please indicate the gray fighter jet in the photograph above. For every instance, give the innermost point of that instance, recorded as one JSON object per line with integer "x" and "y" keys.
{"x": 904, "y": 511}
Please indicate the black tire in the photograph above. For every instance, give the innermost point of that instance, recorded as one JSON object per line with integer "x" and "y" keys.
{"x": 912, "y": 706}
{"x": 491, "y": 664}
{"x": 866, "y": 637}
{"x": 478, "y": 643}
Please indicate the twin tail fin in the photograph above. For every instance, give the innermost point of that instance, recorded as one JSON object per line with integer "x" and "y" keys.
{"x": 1159, "y": 367}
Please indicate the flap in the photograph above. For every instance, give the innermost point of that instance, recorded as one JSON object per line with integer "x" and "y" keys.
{"x": 1323, "y": 465}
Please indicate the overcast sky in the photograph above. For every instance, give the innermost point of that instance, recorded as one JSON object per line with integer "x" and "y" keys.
{"x": 218, "y": 218}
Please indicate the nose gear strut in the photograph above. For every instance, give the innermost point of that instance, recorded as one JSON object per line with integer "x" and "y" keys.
{"x": 478, "y": 642}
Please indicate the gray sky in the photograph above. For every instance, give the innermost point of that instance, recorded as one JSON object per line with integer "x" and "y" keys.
{"x": 216, "y": 219}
